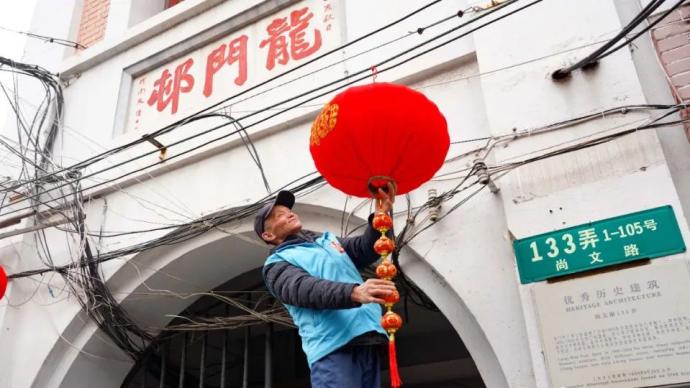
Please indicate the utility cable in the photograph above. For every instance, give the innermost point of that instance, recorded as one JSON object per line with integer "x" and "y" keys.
{"x": 591, "y": 58}
{"x": 382, "y": 70}
{"x": 642, "y": 31}
{"x": 185, "y": 120}
{"x": 47, "y": 39}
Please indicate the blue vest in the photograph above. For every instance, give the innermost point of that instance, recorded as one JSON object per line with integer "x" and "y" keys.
{"x": 324, "y": 331}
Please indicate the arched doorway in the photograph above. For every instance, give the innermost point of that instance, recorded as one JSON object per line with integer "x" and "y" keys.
{"x": 157, "y": 285}
{"x": 195, "y": 351}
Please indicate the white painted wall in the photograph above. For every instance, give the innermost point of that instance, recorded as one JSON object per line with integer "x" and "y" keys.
{"x": 486, "y": 84}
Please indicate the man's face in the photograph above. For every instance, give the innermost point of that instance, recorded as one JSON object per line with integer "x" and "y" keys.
{"x": 281, "y": 223}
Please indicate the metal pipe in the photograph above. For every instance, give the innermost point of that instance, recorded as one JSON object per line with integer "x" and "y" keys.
{"x": 247, "y": 336}
{"x": 146, "y": 371}
{"x": 163, "y": 365}
{"x": 245, "y": 371}
{"x": 268, "y": 367}
{"x": 224, "y": 350}
{"x": 182, "y": 360}
{"x": 202, "y": 362}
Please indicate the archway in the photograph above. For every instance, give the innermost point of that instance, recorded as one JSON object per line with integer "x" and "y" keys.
{"x": 193, "y": 352}
{"x": 155, "y": 286}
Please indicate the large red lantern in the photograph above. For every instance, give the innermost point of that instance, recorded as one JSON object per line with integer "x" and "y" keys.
{"x": 3, "y": 282}
{"x": 370, "y": 134}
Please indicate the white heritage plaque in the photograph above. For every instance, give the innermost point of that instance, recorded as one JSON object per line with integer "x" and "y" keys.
{"x": 629, "y": 328}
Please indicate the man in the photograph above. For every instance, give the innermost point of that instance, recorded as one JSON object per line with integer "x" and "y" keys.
{"x": 316, "y": 277}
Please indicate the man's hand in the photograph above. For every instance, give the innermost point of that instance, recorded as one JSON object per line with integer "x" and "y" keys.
{"x": 373, "y": 291}
{"x": 384, "y": 200}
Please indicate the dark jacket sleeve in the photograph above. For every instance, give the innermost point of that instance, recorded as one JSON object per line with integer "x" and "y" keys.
{"x": 361, "y": 248}
{"x": 294, "y": 286}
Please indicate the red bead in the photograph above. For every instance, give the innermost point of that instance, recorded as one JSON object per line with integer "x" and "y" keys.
{"x": 392, "y": 298}
{"x": 383, "y": 246}
{"x": 386, "y": 270}
{"x": 391, "y": 322}
{"x": 382, "y": 222}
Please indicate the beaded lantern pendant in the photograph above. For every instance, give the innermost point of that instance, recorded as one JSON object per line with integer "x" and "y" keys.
{"x": 390, "y": 321}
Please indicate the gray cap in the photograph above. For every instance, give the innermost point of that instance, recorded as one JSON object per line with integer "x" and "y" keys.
{"x": 284, "y": 198}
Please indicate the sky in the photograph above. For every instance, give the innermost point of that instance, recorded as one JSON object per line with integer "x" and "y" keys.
{"x": 15, "y": 15}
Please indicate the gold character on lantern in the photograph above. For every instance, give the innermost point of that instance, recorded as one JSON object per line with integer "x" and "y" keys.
{"x": 324, "y": 123}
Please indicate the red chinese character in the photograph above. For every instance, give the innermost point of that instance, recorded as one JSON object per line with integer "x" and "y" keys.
{"x": 237, "y": 52}
{"x": 299, "y": 48}
{"x": 168, "y": 90}
{"x": 327, "y": 18}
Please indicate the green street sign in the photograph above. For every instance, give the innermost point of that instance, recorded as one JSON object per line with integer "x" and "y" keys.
{"x": 641, "y": 235}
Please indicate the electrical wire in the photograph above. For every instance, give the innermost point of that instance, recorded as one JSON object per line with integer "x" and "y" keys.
{"x": 83, "y": 275}
{"x": 89, "y": 274}
{"x": 187, "y": 119}
{"x": 328, "y": 84}
{"x": 642, "y": 31}
{"x": 593, "y": 57}
{"x": 47, "y": 39}
{"x": 654, "y": 124}
{"x": 218, "y": 127}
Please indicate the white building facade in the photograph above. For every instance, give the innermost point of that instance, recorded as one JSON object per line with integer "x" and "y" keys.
{"x": 492, "y": 79}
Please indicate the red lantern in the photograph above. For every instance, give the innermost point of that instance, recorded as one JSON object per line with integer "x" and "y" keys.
{"x": 368, "y": 136}
{"x": 3, "y": 282}
{"x": 386, "y": 270}
{"x": 383, "y": 246}
{"x": 371, "y": 134}
{"x": 391, "y": 322}
{"x": 392, "y": 298}
{"x": 382, "y": 222}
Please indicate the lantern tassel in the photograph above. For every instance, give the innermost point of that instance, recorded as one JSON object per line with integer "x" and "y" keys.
{"x": 393, "y": 364}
